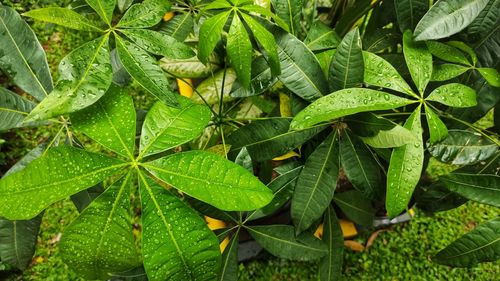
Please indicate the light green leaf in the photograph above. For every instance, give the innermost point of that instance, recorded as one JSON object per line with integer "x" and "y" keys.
{"x": 447, "y": 71}
{"x": 447, "y": 52}
{"x": 463, "y": 148}
{"x": 85, "y": 75}
{"x": 159, "y": 43}
{"x": 167, "y": 127}
{"x": 280, "y": 240}
{"x": 409, "y": 12}
{"x": 405, "y": 168}
{"x": 239, "y": 50}
{"x": 100, "y": 241}
{"x": 316, "y": 184}
{"x": 484, "y": 189}
{"x": 437, "y": 129}
{"x": 465, "y": 48}
{"x": 145, "y": 14}
{"x": 145, "y": 71}
{"x": 330, "y": 266}
{"x": 22, "y": 58}
{"x": 13, "y": 109}
{"x": 290, "y": 11}
{"x": 395, "y": 137}
{"x": 356, "y": 207}
{"x": 345, "y": 102}
{"x": 176, "y": 242}
{"x": 454, "y": 94}
{"x": 217, "y": 4}
{"x": 347, "y": 66}
{"x": 189, "y": 68}
{"x": 104, "y": 8}
{"x": 257, "y": 9}
{"x": 212, "y": 179}
{"x": 63, "y": 16}
{"x": 482, "y": 244}
{"x": 419, "y": 61}
{"x": 491, "y": 75}
{"x": 110, "y": 122}
{"x": 229, "y": 269}
{"x": 211, "y": 88}
{"x": 61, "y": 172}
{"x": 210, "y": 33}
{"x": 266, "y": 139}
{"x": 447, "y": 17}
{"x": 381, "y": 73}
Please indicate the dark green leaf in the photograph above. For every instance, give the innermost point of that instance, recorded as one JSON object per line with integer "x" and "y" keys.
{"x": 437, "y": 198}
{"x": 18, "y": 240}
{"x": 454, "y": 94}
{"x": 13, "y": 109}
{"x": 356, "y": 207}
{"x": 419, "y": 61}
{"x": 484, "y": 189}
{"x": 159, "y": 43}
{"x": 229, "y": 268}
{"x": 145, "y": 14}
{"x": 321, "y": 37}
{"x": 290, "y": 11}
{"x": 347, "y": 66}
{"x": 409, "y": 12}
{"x": 330, "y": 266}
{"x": 447, "y": 52}
{"x": 261, "y": 80}
{"x": 447, "y": 71}
{"x": 239, "y": 50}
{"x": 64, "y": 17}
{"x": 210, "y": 33}
{"x": 179, "y": 27}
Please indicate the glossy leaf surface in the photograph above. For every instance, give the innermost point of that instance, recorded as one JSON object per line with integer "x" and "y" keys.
{"x": 419, "y": 60}
{"x": 356, "y": 207}
{"x": 13, "y": 109}
{"x": 145, "y": 14}
{"x": 484, "y": 189}
{"x": 64, "y": 17}
{"x": 330, "y": 266}
{"x": 347, "y": 66}
{"x": 454, "y": 94}
{"x": 159, "y": 43}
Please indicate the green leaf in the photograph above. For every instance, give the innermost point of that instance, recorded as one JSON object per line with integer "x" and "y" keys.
{"x": 419, "y": 61}
{"x": 484, "y": 189}
{"x": 266, "y": 139}
{"x": 212, "y": 179}
{"x": 347, "y": 66}
{"x": 405, "y": 168}
{"x": 359, "y": 165}
{"x": 316, "y": 184}
{"x": 210, "y": 33}
{"x": 261, "y": 80}
{"x": 465, "y": 48}
{"x": 18, "y": 240}
{"x": 280, "y": 241}
{"x": 145, "y": 71}
{"x": 211, "y": 88}
{"x": 447, "y": 17}
{"x": 301, "y": 72}
{"x": 229, "y": 269}
{"x": 395, "y": 137}
{"x": 381, "y": 73}
{"x": 321, "y": 37}
{"x": 330, "y": 266}
{"x": 100, "y": 241}
{"x": 104, "y": 8}
{"x": 189, "y": 68}
{"x": 61, "y": 172}
{"x": 63, "y": 16}
{"x": 480, "y": 245}
{"x": 447, "y": 71}
{"x": 454, "y": 94}
{"x": 176, "y": 242}
{"x": 290, "y": 11}
{"x": 356, "y": 207}
{"x": 218, "y": 4}
{"x": 22, "y": 58}
{"x": 239, "y": 50}
{"x": 264, "y": 12}
{"x": 124, "y": 4}
{"x": 159, "y": 43}
{"x": 447, "y": 52}
{"x": 437, "y": 129}
{"x": 166, "y": 127}
{"x": 179, "y": 27}
{"x": 85, "y": 75}
{"x": 436, "y": 198}
{"x": 345, "y": 102}
{"x": 145, "y": 14}
{"x": 110, "y": 122}
{"x": 409, "y": 12}
{"x": 13, "y": 109}
{"x": 463, "y": 148}
{"x": 491, "y": 75}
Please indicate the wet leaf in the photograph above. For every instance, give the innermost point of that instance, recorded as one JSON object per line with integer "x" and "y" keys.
{"x": 63, "y": 16}
{"x": 145, "y": 14}
{"x": 104, "y": 8}
{"x": 159, "y": 43}
{"x": 454, "y": 94}
{"x": 347, "y": 66}
{"x": 419, "y": 61}
{"x": 13, "y": 109}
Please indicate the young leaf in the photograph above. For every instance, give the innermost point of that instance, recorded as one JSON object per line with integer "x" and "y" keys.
{"x": 18, "y": 240}
{"x": 447, "y": 52}
{"x": 280, "y": 240}
{"x": 229, "y": 268}
{"x": 22, "y": 57}
{"x": 239, "y": 50}
{"x": 110, "y": 122}
{"x": 491, "y": 75}
{"x": 345, "y": 102}
{"x": 159, "y": 43}
{"x": 266, "y": 139}
{"x": 144, "y": 15}
{"x": 316, "y": 184}
{"x": 63, "y": 171}
{"x": 482, "y": 244}
{"x": 347, "y": 66}
{"x": 210, "y": 33}
{"x": 330, "y": 266}
{"x": 419, "y": 61}
{"x": 100, "y": 241}
{"x": 212, "y": 179}
{"x": 409, "y": 12}
{"x": 484, "y": 189}
{"x": 359, "y": 165}
{"x": 437, "y": 129}
{"x": 405, "y": 168}
{"x": 145, "y": 71}
{"x": 356, "y": 207}
{"x": 63, "y": 16}
{"x": 176, "y": 243}
{"x": 85, "y": 75}
{"x": 166, "y": 127}
{"x": 447, "y": 17}
{"x": 447, "y": 71}
{"x": 104, "y": 8}
{"x": 454, "y": 94}
{"x": 290, "y": 11}
{"x": 13, "y": 109}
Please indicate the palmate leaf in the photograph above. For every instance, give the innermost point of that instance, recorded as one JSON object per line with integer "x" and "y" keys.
{"x": 405, "y": 168}
{"x": 63, "y": 16}
{"x": 481, "y": 188}
{"x": 447, "y": 52}
{"x": 316, "y": 184}
{"x": 13, "y": 109}
{"x": 176, "y": 243}
{"x": 61, "y": 172}
{"x": 261, "y": 80}
{"x": 330, "y": 266}
{"x": 347, "y": 66}
{"x": 357, "y": 208}
{"x": 100, "y": 241}
{"x": 212, "y": 179}
{"x": 437, "y": 129}
{"x": 447, "y": 17}
{"x": 104, "y": 8}
{"x": 145, "y": 14}
{"x": 419, "y": 61}
{"x": 482, "y": 244}
{"x": 179, "y": 27}
{"x": 239, "y": 50}
{"x": 409, "y": 12}
{"x": 447, "y": 71}
{"x": 210, "y": 33}
{"x": 289, "y": 11}
{"x": 345, "y": 102}
{"x": 159, "y": 43}
{"x": 454, "y": 94}
{"x": 229, "y": 269}
{"x": 21, "y": 56}
{"x": 85, "y": 75}
{"x": 110, "y": 121}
